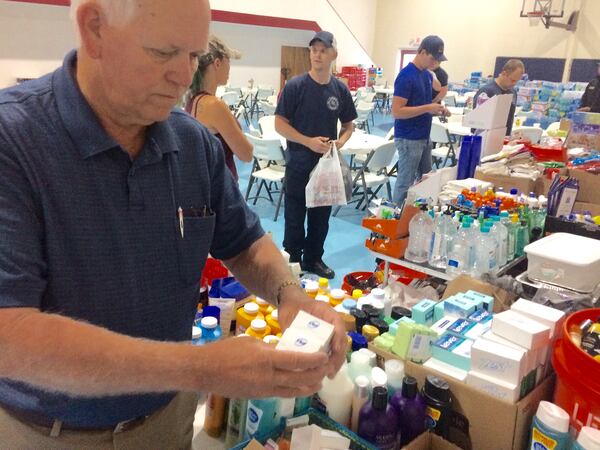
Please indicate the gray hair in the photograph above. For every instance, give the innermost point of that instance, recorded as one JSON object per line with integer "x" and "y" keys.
{"x": 118, "y": 12}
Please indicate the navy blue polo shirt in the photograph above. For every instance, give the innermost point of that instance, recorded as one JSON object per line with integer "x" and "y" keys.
{"x": 313, "y": 109}
{"x": 415, "y": 85}
{"x": 88, "y": 233}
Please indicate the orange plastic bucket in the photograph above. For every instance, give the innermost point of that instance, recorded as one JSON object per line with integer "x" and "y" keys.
{"x": 577, "y": 388}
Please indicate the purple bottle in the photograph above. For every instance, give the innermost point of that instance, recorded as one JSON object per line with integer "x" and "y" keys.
{"x": 378, "y": 421}
{"x": 411, "y": 409}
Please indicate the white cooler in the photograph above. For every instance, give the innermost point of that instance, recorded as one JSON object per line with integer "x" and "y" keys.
{"x": 565, "y": 260}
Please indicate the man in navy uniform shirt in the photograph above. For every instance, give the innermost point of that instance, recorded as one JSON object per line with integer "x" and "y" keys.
{"x": 110, "y": 201}
{"x": 307, "y": 116}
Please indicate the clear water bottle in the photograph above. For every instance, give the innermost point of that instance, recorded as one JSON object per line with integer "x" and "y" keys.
{"x": 510, "y": 235}
{"x": 485, "y": 253}
{"x": 444, "y": 232}
{"x": 460, "y": 258}
{"x": 420, "y": 229}
{"x": 502, "y": 234}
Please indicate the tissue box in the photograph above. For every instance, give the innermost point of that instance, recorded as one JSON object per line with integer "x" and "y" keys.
{"x": 488, "y": 301}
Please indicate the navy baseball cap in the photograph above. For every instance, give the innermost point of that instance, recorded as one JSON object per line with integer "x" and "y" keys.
{"x": 325, "y": 37}
{"x": 435, "y": 46}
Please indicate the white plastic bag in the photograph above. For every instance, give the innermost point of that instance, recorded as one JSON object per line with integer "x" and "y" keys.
{"x": 326, "y": 184}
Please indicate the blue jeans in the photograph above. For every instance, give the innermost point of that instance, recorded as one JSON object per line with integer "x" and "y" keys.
{"x": 414, "y": 160}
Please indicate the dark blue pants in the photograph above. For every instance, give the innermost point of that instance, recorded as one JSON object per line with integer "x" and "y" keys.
{"x": 295, "y": 241}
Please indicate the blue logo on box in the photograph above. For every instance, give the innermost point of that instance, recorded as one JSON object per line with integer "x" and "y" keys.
{"x": 314, "y": 324}
{"x": 460, "y": 326}
{"x": 300, "y": 342}
{"x": 252, "y": 416}
{"x": 447, "y": 341}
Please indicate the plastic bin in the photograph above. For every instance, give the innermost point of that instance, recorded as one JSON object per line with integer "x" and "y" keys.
{"x": 317, "y": 418}
{"x": 403, "y": 274}
{"x": 577, "y": 388}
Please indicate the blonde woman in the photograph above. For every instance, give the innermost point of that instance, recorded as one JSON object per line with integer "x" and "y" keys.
{"x": 212, "y": 112}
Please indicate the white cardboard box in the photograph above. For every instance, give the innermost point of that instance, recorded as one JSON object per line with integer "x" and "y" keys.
{"x": 552, "y": 318}
{"x": 498, "y": 361}
{"x": 521, "y": 330}
{"x": 501, "y": 389}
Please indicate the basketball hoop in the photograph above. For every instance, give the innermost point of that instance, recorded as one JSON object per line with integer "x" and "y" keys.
{"x": 535, "y": 17}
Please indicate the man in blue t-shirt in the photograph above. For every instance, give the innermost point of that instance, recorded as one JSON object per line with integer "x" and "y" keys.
{"x": 307, "y": 116}
{"x": 412, "y": 108}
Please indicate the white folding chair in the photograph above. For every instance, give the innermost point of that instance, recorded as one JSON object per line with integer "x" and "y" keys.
{"x": 262, "y": 95}
{"x": 444, "y": 145}
{"x": 266, "y": 108}
{"x": 231, "y": 99}
{"x": 364, "y": 110}
{"x": 369, "y": 179}
{"x": 266, "y": 171}
{"x": 534, "y": 134}
{"x": 266, "y": 125}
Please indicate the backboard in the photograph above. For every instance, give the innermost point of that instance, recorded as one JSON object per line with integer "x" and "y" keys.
{"x": 546, "y": 8}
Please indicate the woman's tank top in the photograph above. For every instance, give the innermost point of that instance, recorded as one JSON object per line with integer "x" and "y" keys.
{"x": 229, "y": 161}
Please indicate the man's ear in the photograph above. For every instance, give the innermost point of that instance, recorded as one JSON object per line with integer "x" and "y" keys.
{"x": 91, "y": 21}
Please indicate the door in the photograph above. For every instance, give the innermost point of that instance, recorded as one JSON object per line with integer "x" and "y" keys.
{"x": 294, "y": 61}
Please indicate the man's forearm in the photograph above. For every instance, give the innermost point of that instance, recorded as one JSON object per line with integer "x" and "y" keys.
{"x": 289, "y": 132}
{"x": 261, "y": 269}
{"x": 408, "y": 112}
{"x": 345, "y": 134}
{"x": 61, "y": 354}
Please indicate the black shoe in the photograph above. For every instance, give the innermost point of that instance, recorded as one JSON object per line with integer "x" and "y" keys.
{"x": 318, "y": 268}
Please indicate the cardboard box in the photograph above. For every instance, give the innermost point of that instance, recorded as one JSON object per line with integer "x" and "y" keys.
{"x": 589, "y": 186}
{"x": 594, "y": 208}
{"x": 493, "y": 423}
{"x": 430, "y": 441}
{"x": 507, "y": 182}
{"x": 463, "y": 283}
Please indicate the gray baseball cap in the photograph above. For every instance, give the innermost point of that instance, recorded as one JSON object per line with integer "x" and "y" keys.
{"x": 325, "y": 37}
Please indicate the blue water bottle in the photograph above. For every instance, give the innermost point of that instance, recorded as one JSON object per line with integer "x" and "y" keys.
{"x": 211, "y": 331}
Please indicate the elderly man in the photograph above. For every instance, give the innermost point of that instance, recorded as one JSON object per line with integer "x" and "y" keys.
{"x": 110, "y": 201}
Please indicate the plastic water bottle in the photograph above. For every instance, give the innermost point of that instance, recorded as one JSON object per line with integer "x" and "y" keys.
{"x": 485, "y": 253}
{"x": 460, "y": 258}
{"x": 502, "y": 241}
{"x": 444, "y": 232}
{"x": 510, "y": 236}
{"x": 420, "y": 229}
{"x": 495, "y": 234}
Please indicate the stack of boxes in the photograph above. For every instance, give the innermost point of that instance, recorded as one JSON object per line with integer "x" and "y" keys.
{"x": 505, "y": 355}
{"x": 356, "y": 76}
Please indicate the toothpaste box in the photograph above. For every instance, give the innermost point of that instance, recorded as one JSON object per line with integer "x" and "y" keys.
{"x": 453, "y": 350}
{"x": 442, "y": 325}
{"x": 468, "y": 329}
{"x": 482, "y": 316}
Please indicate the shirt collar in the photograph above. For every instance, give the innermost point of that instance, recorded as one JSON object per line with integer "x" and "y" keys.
{"x": 83, "y": 125}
